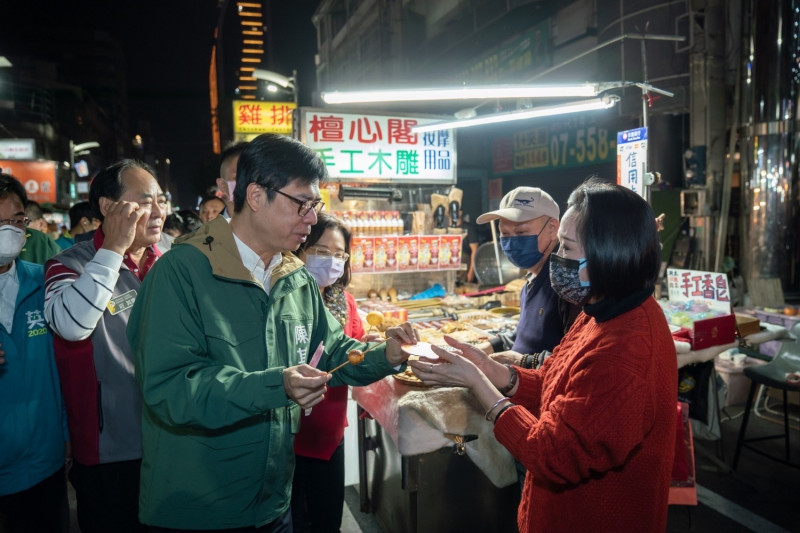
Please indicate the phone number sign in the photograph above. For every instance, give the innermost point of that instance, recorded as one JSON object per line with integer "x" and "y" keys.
{"x": 547, "y": 148}
{"x": 358, "y": 147}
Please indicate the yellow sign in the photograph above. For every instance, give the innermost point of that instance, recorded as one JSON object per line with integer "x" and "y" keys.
{"x": 325, "y": 194}
{"x": 250, "y": 116}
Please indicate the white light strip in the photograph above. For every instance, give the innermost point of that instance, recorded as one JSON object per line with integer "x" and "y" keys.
{"x": 462, "y": 93}
{"x": 574, "y": 107}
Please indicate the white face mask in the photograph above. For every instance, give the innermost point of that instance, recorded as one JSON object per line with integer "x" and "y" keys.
{"x": 12, "y": 239}
{"x": 326, "y": 269}
{"x": 231, "y": 187}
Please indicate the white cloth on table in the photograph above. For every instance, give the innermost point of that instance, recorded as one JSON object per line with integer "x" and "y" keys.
{"x": 417, "y": 419}
{"x": 425, "y": 416}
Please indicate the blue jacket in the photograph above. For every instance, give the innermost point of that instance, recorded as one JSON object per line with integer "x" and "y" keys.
{"x": 33, "y": 423}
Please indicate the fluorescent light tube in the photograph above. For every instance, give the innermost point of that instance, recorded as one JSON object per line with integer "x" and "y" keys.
{"x": 462, "y": 93}
{"x": 573, "y": 107}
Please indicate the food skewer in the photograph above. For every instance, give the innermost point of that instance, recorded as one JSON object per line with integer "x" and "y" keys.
{"x": 374, "y": 319}
{"x": 356, "y": 356}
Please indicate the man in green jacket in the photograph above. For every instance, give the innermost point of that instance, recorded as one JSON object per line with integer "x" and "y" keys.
{"x": 222, "y": 331}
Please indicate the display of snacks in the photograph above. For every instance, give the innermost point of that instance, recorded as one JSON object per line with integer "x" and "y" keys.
{"x": 409, "y": 378}
{"x": 462, "y": 333}
{"x": 387, "y": 309}
{"x": 489, "y": 322}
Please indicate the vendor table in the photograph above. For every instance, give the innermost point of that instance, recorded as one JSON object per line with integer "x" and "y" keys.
{"x": 416, "y": 479}
{"x": 687, "y": 357}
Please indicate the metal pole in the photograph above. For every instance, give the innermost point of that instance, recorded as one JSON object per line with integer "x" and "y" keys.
{"x": 73, "y": 178}
{"x": 497, "y": 254}
{"x": 296, "y": 88}
{"x": 296, "y": 112}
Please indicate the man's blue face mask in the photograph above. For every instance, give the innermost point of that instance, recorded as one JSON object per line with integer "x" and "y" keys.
{"x": 523, "y": 250}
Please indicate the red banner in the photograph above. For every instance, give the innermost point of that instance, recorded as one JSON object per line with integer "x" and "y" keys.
{"x": 38, "y": 177}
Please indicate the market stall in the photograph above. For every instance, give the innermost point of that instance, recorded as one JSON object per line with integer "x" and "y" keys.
{"x": 433, "y": 462}
{"x": 420, "y": 444}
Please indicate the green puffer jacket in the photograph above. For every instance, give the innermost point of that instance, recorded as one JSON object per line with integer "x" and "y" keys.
{"x": 210, "y": 349}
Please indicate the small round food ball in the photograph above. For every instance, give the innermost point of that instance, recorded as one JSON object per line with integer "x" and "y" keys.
{"x": 355, "y": 357}
{"x": 374, "y": 318}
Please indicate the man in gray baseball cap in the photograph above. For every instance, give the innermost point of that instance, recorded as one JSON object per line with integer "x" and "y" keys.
{"x": 522, "y": 205}
{"x": 528, "y": 223}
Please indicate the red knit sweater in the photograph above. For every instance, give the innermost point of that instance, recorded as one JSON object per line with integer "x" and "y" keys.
{"x": 595, "y": 427}
{"x": 322, "y": 430}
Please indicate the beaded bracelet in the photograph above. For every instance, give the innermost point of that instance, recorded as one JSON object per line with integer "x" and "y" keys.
{"x": 535, "y": 363}
{"x": 492, "y": 408}
{"x": 511, "y": 382}
{"x": 503, "y": 410}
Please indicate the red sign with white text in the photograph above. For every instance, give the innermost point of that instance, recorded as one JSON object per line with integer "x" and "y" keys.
{"x": 38, "y": 177}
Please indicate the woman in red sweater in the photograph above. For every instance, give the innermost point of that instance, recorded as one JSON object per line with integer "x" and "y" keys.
{"x": 318, "y": 484}
{"x": 595, "y": 424}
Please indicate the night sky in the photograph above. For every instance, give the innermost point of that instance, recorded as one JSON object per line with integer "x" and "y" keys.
{"x": 167, "y": 49}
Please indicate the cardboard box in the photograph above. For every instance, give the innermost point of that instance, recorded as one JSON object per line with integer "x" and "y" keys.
{"x": 713, "y": 332}
{"x": 747, "y": 324}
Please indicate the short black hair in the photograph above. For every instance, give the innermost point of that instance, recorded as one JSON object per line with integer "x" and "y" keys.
{"x": 209, "y": 198}
{"x": 34, "y": 211}
{"x": 274, "y": 160}
{"x": 232, "y": 151}
{"x": 79, "y": 211}
{"x": 326, "y": 221}
{"x": 108, "y": 183}
{"x": 10, "y": 185}
{"x": 190, "y": 220}
{"x": 174, "y": 221}
{"x": 618, "y": 230}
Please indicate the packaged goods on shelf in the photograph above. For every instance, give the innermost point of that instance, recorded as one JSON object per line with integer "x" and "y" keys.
{"x": 406, "y": 253}
{"x": 700, "y": 302}
{"x": 388, "y": 309}
{"x": 708, "y": 327}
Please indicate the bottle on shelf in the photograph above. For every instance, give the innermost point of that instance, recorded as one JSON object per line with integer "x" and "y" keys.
{"x": 344, "y": 216}
{"x": 358, "y": 226}
{"x": 382, "y": 223}
{"x": 397, "y": 223}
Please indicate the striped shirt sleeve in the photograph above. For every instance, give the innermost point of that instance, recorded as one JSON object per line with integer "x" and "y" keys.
{"x": 73, "y": 303}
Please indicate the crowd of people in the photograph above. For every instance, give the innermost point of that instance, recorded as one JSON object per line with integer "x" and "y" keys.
{"x": 175, "y": 367}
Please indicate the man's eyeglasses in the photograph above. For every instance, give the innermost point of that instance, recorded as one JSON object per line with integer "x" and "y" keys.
{"x": 19, "y": 222}
{"x": 324, "y": 252}
{"x": 303, "y": 206}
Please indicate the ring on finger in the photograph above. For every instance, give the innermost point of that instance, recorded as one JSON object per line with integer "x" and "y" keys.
{"x": 431, "y": 368}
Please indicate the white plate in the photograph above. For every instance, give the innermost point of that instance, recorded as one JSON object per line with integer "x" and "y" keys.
{"x": 423, "y": 349}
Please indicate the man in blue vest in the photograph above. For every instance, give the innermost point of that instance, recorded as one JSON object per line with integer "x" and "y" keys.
{"x": 33, "y": 425}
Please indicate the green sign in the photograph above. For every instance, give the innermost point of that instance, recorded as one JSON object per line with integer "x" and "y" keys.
{"x": 553, "y": 146}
